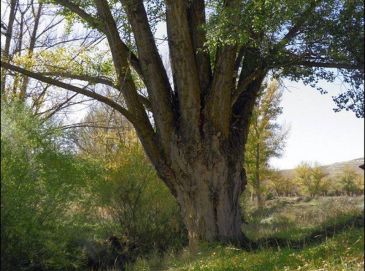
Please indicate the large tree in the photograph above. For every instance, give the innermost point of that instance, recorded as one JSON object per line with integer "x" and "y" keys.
{"x": 194, "y": 127}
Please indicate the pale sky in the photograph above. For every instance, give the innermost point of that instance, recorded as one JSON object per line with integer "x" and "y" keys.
{"x": 317, "y": 133}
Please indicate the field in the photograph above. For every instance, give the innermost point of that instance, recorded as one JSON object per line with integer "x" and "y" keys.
{"x": 325, "y": 234}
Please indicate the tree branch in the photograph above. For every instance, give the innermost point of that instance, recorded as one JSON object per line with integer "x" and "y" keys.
{"x": 120, "y": 56}
{"x": 243, "y": 85}
{"x": 101, "y": 26}
{"x": 197, "y": 21}
{"x": 96, "y": 80}
{"x": 8, "y": 37}
{"x": 83, "y": 77}
{"x": 120, "y": 59}
{"x": 184, "y": 67}
{"x": 294, "y": 30}
{"x": 218, "y": 106}
{"x": 70, "y": 87}
{"x": 57, "y": 108}
{"x": 156, "y": 80}
{"x": 242, "y": 111}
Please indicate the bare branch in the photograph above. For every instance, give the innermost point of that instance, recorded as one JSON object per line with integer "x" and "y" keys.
{"x": 70, "y": 87}
{"x": 100, "y": 25}
{"x": 96, "y": 80}
{"x": 57, "y": 108}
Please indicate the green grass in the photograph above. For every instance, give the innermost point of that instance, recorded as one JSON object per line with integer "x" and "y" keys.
{"x": 343, "y": 252}
{"x": 293, "y": 219}
{"x": 285, "y": 219}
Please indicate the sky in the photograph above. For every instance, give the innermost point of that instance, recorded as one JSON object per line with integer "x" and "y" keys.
{"x": 316, "y": 132}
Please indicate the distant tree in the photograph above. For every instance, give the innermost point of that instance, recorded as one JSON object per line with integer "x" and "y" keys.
{"x": 103, "y": 133}
{"x": 352, "y": 183}
{"x": 282, "y": 186}
{"x": 360, "y": 184}
{"x": 266, "y": 137}
{"x": 312, "y": 178}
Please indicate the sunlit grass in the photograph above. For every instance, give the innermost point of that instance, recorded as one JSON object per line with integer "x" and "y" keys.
{"x": 293, "y": 219}
{"x": 342, "y": 250}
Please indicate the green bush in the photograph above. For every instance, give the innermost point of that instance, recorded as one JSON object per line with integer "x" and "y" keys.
{"x": 44, "y": 195}
{"x": 145, "y": 215}
{"x": 61, "y": 209}
{"x": 136, "y": 206}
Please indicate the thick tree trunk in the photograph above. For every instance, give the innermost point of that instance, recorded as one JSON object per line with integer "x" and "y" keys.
{"x": 210, "y": 211}
{"x": 208, "y": 191}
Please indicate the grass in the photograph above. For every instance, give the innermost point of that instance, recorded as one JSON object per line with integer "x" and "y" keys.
{"x": 343, "y": 252}
{"x": 292, "y": 220}
{"x": 295, "y": 218}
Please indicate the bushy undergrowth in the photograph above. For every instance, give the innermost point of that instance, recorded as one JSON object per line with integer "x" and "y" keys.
{"x": 67, "y": 210}
{"x": 139, "y": 208}
{"x": 41, "y": 185}
{"x": 62, "y": 210}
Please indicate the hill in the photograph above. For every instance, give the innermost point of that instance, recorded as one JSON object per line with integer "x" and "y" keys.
{"x": 332, "y": 169}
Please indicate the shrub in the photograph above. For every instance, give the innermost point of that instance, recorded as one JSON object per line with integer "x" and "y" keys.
{"x": 145, "y": 214}
{"x": 42, "y": 188}
{"x": 138, "y": 208}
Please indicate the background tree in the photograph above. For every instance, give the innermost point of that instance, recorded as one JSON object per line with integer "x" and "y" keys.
{"x": 351, "y": 182}
{"x": 312, "y": 178}
{"x": 282, "y": 186}
{"x": 266, "y": 138}
{"x": 220, "y": 53}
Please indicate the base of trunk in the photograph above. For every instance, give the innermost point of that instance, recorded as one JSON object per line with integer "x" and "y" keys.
{"x": 211, "y": 209}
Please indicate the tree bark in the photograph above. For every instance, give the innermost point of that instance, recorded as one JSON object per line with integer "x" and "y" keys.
{"x": 208, "y": 190}
{"x": 9, "y": 34}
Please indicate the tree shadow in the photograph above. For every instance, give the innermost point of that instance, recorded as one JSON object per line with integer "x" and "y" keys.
{"x": 315, "y": 237}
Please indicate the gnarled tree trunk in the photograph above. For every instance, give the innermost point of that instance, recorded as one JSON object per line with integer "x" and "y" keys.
{"x": 210, "y": 212}
{"x": 207, "y": 182}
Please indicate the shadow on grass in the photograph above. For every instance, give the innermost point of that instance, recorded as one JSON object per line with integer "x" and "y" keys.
{"x": 316, "y": 236}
